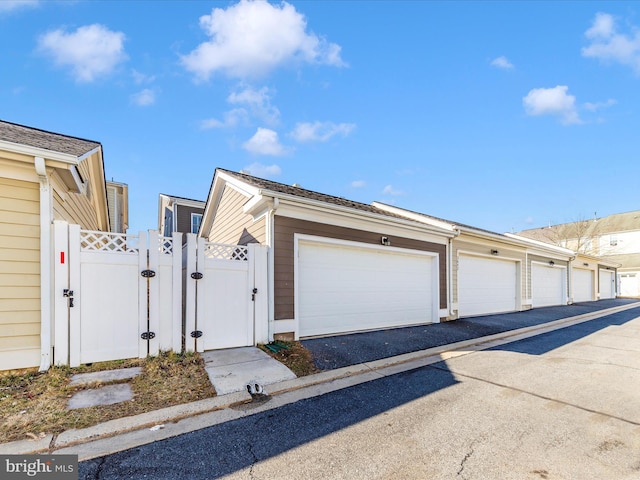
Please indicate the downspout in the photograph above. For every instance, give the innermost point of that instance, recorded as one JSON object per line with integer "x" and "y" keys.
{"x": 270, "y": 265}
{"x": 570, "y": 280}
{"x": 45, "y": 264}
{"x": 450, "y": 271}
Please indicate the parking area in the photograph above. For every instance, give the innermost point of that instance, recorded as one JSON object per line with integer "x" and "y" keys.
{"x": 343, "y": 350}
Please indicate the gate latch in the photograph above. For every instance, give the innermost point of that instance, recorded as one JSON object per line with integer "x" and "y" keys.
{"x": 253, "y": 294}
{"x": 69, "y": 294}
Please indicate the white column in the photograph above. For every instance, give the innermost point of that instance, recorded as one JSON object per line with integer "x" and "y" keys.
{"x": 46, "y": 215}
{"x": 60, "y": 283}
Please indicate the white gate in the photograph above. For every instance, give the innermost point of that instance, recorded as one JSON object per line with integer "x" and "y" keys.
{"x": 117, "y": 296}
{"x": 226, "y": 295}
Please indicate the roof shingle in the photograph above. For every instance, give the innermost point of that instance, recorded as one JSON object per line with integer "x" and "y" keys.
{"x": 56, "y": 142}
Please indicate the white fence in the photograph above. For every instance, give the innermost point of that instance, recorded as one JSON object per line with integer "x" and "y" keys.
{"x": 123, "y": 296}
{"x": 225, "y": 294}
{"x": 116, "y": 296}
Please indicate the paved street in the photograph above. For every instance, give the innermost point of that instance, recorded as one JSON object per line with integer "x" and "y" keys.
{"x": 562, "y": 405}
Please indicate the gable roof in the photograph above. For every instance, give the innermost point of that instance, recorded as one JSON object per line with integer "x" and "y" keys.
{"x": 275, "y": 187}
{"x": 55, "y": 142}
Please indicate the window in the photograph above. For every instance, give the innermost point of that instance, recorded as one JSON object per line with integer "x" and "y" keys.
{"x": 196, "y": 218}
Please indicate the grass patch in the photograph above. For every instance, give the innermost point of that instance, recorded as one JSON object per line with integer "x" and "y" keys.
{"x": 296, "y": 357}
{"x": 34, "y": 404}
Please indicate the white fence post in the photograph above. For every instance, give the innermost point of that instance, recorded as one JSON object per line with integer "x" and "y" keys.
{"x": 176, "y": 305}
{"x": 201, "y": 309}
{"x": 142, "y": 300}
{"x": 258, "y": 254}
{"x": 60, "y": 302}
{"x": 74, "y": 284}
{"x": 153, "y": 292}
{"x": 190, "y": 296}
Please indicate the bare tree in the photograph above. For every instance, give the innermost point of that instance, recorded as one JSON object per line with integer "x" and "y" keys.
{"x": 581, "y": 236}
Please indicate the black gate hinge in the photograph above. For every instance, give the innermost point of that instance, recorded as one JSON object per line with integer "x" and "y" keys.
{"x": 148, "y": 273}
{"x": 196, "y": 275}
{"x": 147, "y": 335}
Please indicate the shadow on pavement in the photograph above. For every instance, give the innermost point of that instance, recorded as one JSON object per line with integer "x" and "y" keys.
{"x": 547, "y": 342}
{"x": 226, "y": 448}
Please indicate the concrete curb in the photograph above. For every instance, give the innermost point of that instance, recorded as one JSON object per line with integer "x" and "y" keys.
{"x": 97, "y": 440}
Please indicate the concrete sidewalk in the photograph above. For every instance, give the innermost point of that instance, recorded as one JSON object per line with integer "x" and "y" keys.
{"x": 129, "y": 432}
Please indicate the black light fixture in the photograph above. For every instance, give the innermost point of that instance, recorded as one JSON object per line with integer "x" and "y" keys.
{"x": 585, "y": 264}
{"x": 552, "y": 263}
{"x": 385, "y": 241}
{"x": 494, "y": 252}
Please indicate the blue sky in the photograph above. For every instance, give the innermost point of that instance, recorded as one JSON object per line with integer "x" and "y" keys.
{"x": 502, "y": 115}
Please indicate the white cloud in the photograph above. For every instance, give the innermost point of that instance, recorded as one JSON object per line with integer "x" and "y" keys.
{"x": 358, "y": 183}
{"x": 253, "y": 37}
{"x": 608, "y": 45}
{"x": 593, "y": 107}
{"x": 258, "y": 102}
{"x": 265, "y": 142}
{"x": 232, "y": 118}
{"x": 91, "y": 51}
{"x": 11, "y": 5}
{"x": 552, "y": 101}
{"x": 502, "y": 62}
{"x": 265, "y": 171}
{"x": 144, "y": 98}
{"x": 140, "y": 78}
{"x": 528, "y": 220}
{"x": 320, "y": 131}
{"x": 389, "y": 190}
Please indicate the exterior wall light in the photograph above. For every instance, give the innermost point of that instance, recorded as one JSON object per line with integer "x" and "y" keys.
{"x": 494, "y": 252}
{"x": 385, "y": 241}
{"x": 552, "y": 263}
{"x": 585, "y": 264}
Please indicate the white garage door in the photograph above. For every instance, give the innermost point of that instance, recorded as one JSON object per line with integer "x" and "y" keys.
{"x": 607, "y": 284}
{"x": 582, "y": 285}
{"x": 629, "y": 285}
{"x": 547, "y": 285}
{"x": 343, "y": 288}
{"x": 486, "y": 285}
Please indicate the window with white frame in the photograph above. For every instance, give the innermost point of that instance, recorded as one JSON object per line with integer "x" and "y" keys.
{"x": 196, "y": 218}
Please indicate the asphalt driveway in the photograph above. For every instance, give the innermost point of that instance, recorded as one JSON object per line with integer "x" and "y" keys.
{"x": 343, "y": 350}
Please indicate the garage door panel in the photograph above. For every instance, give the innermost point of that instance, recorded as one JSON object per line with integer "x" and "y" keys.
{"x": 547, "y": 285}
{"x": 582, "y": 285}
{"x": 607, "y": 284}
{"x": 344, "y": 288}
{"x": 486, "y": 285}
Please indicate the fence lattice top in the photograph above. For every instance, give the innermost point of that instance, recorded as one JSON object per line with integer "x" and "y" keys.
{"x": 109, "y": 242}
{"x": 166, "y": 245}
{"x": 220, "y": 251}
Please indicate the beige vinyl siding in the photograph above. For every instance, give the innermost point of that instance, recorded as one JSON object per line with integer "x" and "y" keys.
{"x": 75, "y": 208}
{"x": 234, "y": 227}
{"x": 463, "y": 244}
{"x": 19, "y": 274}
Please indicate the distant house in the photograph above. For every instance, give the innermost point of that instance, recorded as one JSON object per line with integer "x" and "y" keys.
{"x": 615, "y": 238}
{"x": 44, "y": 176}
{"x": 178, "y": 214}
{"x": 118, "y": 200}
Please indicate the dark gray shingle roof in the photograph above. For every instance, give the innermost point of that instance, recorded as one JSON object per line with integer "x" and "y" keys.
{"x": 56, "y": 142}
{"x": 309, "y": 194}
